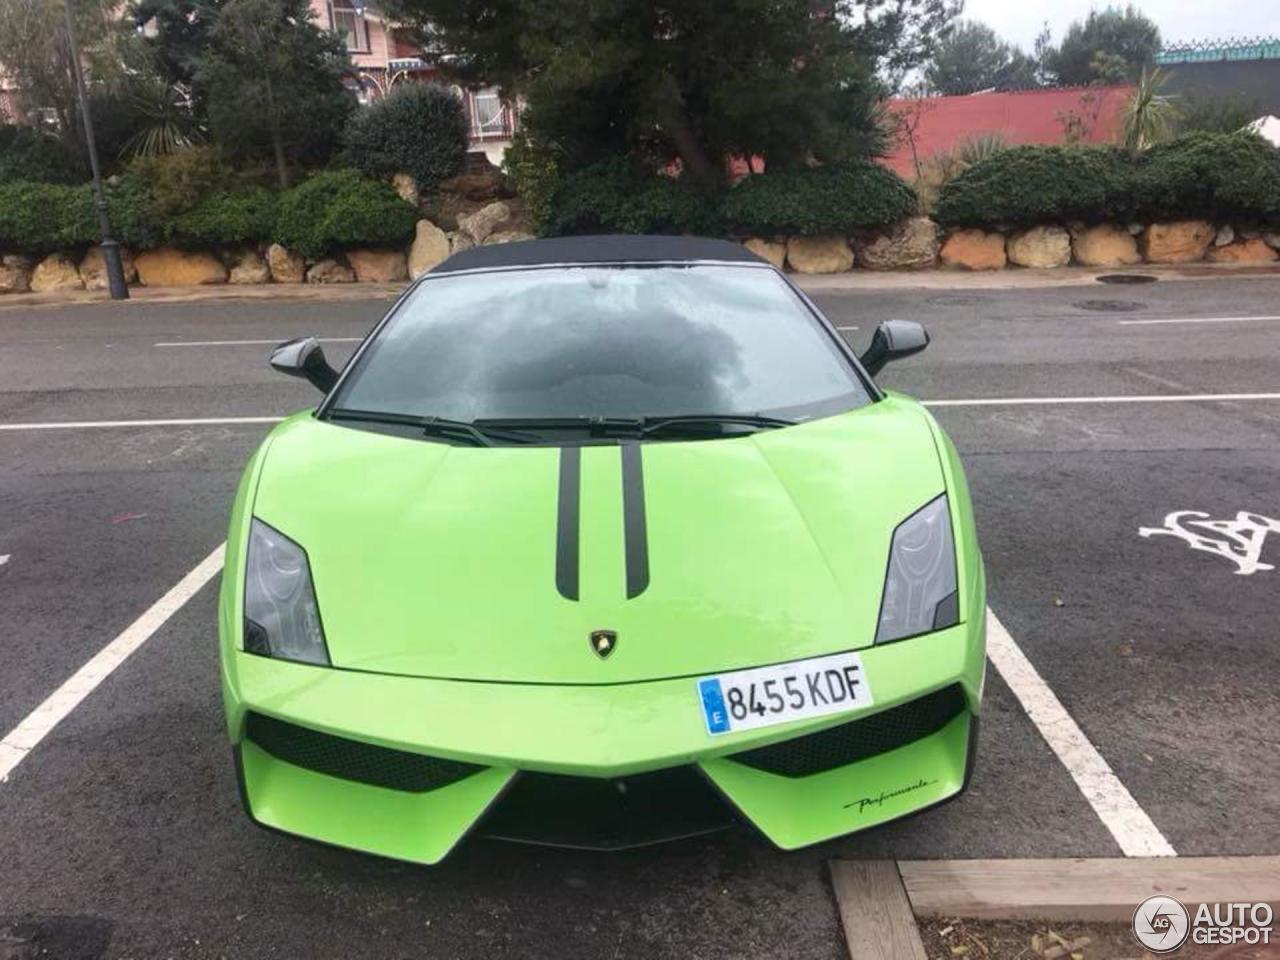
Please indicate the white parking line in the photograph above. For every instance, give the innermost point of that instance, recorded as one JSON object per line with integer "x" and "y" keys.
{"x": 98, "y": 424}
{"x": 242, "y": 343}
{"x": 845, "y": 327}
{"x": 1148, "y": 323}
{"x": 1110, "y": 799}
{"x": 1145, "y": 398}
{"x": 58, "y": 705}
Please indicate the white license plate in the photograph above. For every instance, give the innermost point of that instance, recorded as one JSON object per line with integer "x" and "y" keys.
{"x": 763, "y": 696}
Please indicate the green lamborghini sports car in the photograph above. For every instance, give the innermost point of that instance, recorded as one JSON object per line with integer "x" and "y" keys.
{"x": 598, "y": 542}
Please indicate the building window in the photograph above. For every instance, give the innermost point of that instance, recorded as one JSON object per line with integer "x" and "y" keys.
{"x": 490, "y": 118}
{"x": 350, "y": 24}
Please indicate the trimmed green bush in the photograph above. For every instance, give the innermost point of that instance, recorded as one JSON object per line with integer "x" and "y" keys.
{"x": 28, "y": 154}
{"x": 1220, "y": 176}
{"x": 38, "y": 218}
{"x": 614, "y": 197}
{"x": 417, "y": 128}
{"x": 342, "y": 209}
{"x": 839, "y": 198}
{"x": 1215, "y": 176}
{"x": 1023, "y": 186}
{"x": 227, "y": 218}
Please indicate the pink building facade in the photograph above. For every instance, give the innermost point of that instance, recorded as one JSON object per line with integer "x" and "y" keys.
{"x": 383, "y": 56}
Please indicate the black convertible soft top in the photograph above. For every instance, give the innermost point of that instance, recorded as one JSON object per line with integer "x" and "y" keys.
{"x": 614, "y": 248}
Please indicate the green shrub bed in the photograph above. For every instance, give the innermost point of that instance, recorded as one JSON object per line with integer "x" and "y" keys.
{"x": 327, "y": 212}
{"x": 833, "y": 199}
{"x": 1216, "y": 176}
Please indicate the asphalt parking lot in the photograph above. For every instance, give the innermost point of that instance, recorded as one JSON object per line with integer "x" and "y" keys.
{"x": 121, "y": 833}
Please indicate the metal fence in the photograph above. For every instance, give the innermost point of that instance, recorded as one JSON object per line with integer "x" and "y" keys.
{"x": 1210, "y": 51}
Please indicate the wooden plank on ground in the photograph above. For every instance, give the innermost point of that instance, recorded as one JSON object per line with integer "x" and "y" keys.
{"x": 877, "y": 919}
{"x": 1104, "y": 890}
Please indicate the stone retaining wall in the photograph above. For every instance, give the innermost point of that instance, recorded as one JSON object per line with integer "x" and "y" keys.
{"x": 169, "y": 266}
{"x": 914, "y": 244}
{"x": 919, "y": 243}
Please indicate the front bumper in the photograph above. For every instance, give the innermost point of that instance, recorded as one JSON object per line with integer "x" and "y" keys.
{"x": 564, "y": 740}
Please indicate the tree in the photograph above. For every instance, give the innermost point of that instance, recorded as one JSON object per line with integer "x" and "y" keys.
{"x": 696, "y": 81}
{"x": 1150, "y": 116}
{"x": 273, "y": 83}
{"x": 972, "y": 57}
{"x": 35, "y": 54}
{"x": 1110, "y": 46}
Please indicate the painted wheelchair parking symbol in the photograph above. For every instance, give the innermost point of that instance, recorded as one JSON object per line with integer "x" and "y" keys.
{"x": 1239, "y": 540}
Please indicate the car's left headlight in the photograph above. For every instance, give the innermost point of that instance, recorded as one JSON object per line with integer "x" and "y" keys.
{"x": 920, "y": 587}
{"x": 281, "y": 618}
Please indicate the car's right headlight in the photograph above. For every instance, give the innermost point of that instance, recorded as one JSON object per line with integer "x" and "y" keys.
{"x": 281, "y": 618}
{"x": 920, "y": 586}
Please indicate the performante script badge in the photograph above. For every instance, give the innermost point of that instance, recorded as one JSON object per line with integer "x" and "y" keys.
{"x": 603, "y": 642}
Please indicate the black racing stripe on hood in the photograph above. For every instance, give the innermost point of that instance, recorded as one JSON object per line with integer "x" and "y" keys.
{"x": 567, "y": 522}
{"x": 633, "y": 520}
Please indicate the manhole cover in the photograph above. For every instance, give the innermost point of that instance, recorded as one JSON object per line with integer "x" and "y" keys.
{"x": 1126, "y": 278}
{"x": 1109, "y": 306}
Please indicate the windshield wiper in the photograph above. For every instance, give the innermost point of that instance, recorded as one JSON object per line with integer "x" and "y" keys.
{"x": 636, "y": 427}
{"x": 657, "y": 425}
{"x": 476, "y": 435}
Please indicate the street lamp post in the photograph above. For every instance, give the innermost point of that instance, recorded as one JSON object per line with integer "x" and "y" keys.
{"x": 110, "y": 249}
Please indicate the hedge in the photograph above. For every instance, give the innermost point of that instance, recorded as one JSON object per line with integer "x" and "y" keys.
{"x": 840, "y": 198}
{"x": 227, "y": 218}
{"x": 613, "y": 196}
{"x": 342, "y": 209}
{"x": 331, "y": 210}
{"x": 419, "y": 129}
{"x": 1215, "y": 176}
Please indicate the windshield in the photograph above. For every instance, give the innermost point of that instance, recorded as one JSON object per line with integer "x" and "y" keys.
{"x": 626, "y": 342}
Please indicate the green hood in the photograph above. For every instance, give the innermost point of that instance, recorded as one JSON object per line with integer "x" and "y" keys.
{"x": 440, "y": 561}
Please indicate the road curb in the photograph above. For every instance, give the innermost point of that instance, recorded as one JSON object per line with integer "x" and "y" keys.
{"x": 875, "y": 911}
{"x": 851, "y": 282}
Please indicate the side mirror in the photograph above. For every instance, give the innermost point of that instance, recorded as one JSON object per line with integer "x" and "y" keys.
{"x": 304, "y": 358}
{"x": 893, "y": 340}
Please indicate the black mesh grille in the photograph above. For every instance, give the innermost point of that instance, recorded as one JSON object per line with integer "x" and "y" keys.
{"x": 614, "y": 814}
{"x": 858, "y": 739}
{"x": 353, "y": 760}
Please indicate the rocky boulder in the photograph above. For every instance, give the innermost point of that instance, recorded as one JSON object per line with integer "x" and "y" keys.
{"x": 330, "y": 271}
{"x": 459, "y": 241}
{"x": 825, "y": 254}
{"x": 93, "y": 268}
{"x": 1183, "y": 241}
{"x": 507, "y": 236}
{"x": 56, "y": 272}
{"x": 171, "y": 267}
{"x": 249, "y": 267}
{"x": 911, "y": 245}
{"x": 15, "y": 274}
{"x": 406, "y": 187}
{"x": 1104, "y": 245}
{"x": 286, "y": 266}
{"x": 430, "y": 246}
{"x": 379, "y": 266}
{"x": 973, "y": 250}
{"x": 1244, "y": 251}
{"x": 775, "y": 253}
{"x": 1044, "y": 246}
{"x": 484, "y": 221}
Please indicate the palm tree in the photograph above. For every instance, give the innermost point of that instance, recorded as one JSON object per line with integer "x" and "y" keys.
{"x": 1150, "y": 116}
